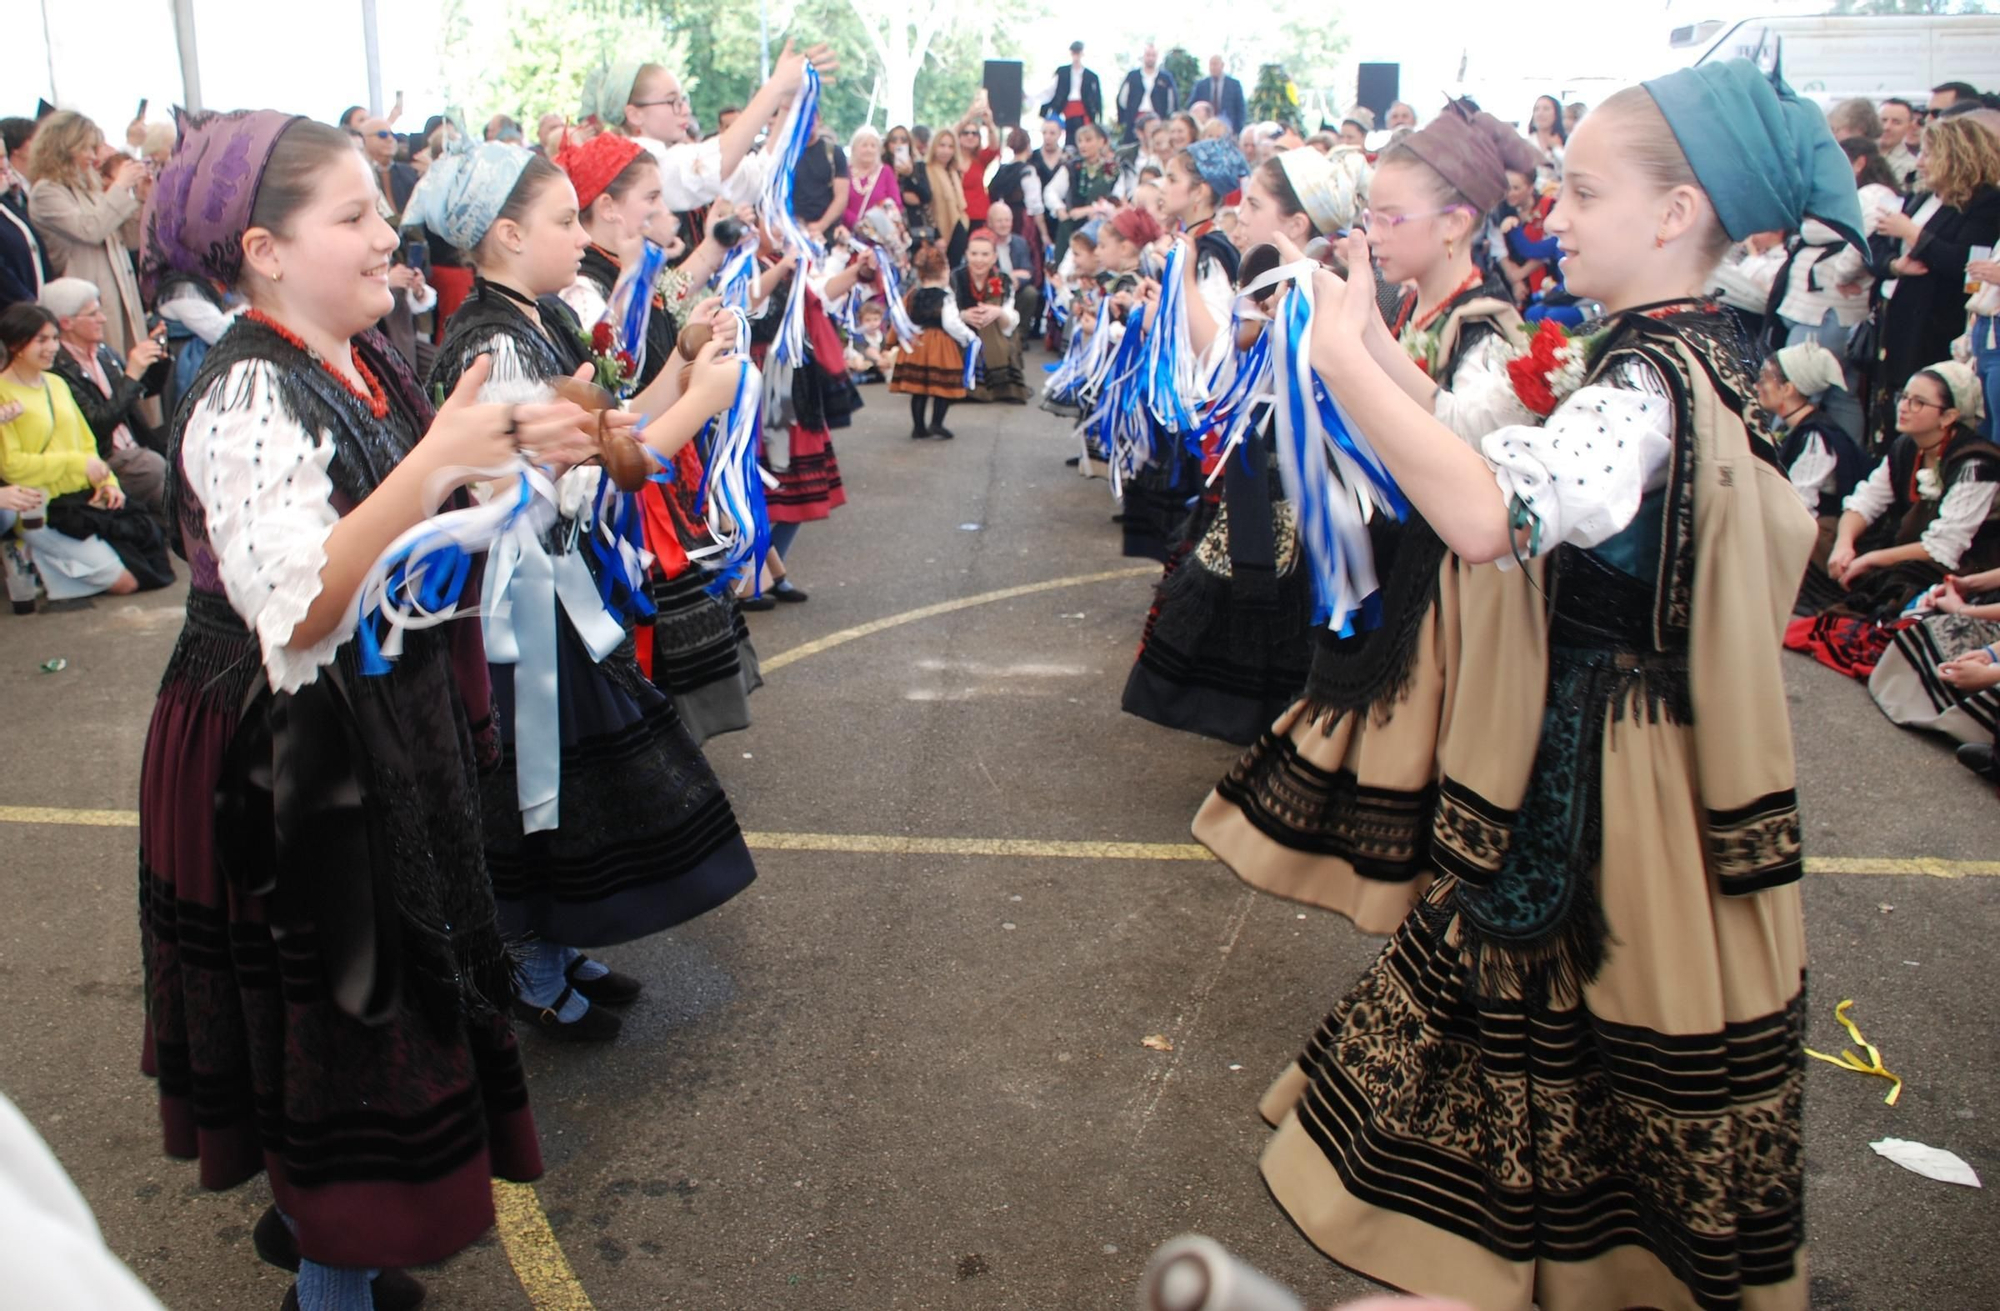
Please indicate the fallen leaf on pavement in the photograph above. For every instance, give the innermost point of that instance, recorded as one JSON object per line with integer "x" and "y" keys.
{"x": 1157, "y": 1041}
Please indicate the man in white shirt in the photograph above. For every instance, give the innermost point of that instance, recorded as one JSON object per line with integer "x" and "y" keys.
{"x": 1899, "y": 126}
{"x": 1073, "y": 95}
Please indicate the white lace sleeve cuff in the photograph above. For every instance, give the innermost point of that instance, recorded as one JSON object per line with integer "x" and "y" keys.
{"x": 263, "y": 484}
{"x": 1579, "y": 478}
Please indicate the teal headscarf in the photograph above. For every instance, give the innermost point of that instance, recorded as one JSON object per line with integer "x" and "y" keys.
{"x": 465, "y": 190}
{"x": 1765, "y": 157}
{"x": 608, "y": 89}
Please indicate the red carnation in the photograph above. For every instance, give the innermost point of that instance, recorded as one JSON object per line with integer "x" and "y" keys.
{"x": 600, "y": 337}
{"x": 626, "y": 362}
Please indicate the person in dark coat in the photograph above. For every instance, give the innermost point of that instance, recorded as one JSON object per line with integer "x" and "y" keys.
{"x": 1148, "y": 86}
{"x": 1074, "y": 95}
{"x": 1922, "y": 309}
{"x": 1224, "y": 92}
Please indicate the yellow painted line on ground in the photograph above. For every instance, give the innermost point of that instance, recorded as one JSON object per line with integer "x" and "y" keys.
{"x": 1930, "y": 866}
{"x": 892, "y": 844}
{"x": 63, "y": 815}
{"x": 886, "y": 844}
{"x": 846, "y": 635}
{"x": 532, "y": 1249}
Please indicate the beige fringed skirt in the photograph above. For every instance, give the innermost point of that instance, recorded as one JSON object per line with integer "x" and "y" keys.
{"x": 1637, "y": 1145}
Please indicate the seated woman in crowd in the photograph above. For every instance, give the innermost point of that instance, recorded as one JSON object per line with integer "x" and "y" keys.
{"x": 1925, "y": 511}
{"x": 109, "y": 390}
{"x": 1939, "y": 674}
{"x": 985, "y": 299}
{"x": 90, "y": 542}
{"x": 1822, "y": 458}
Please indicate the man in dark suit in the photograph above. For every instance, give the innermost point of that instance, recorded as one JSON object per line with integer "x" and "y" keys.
{"x": 1074, "y": 96}
{"x": 1147, "y": 87}
{"x": 1223, "y": 92}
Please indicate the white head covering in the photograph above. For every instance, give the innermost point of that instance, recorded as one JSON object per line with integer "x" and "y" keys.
{"x": 1968, "y": 395}
{"x": 68, "y": 297}
{"x": 1811, "y": 368}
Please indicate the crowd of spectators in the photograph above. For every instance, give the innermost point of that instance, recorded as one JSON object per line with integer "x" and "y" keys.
{"x": 1016, "y": 215}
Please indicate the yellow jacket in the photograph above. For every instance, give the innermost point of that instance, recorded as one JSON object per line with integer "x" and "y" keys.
{"x": 49, "y": 444}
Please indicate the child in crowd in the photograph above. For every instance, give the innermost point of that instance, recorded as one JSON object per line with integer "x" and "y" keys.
{"x": 865, "y": 357}
{"x": 932, "y": 368}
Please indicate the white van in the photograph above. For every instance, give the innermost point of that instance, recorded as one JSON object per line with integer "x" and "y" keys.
{"x": 1832, "y": 58}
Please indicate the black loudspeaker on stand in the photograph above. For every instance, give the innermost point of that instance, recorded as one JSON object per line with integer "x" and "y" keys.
{"x": 1378, "y": 87}
{"x": 1003, "y": 91}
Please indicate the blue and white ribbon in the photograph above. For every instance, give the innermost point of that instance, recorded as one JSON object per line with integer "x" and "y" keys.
{"x": 737, "y": 283}
{"x": 1330, "y": 473}
{"x": 1170, "y": 375}
{"x": 975, "y": 361}
{"x": 630, "y": 308}
{"x": 892, "y": 292}
{"x": 617, "y": 540}
{"x": 775, "y": 206}
{"x": 1241, "y": 397}
{"x": 733, "y": 485}
{"x": 420, "y": 580}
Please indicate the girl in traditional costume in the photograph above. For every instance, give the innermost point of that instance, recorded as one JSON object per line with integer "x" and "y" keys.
{"x": 603, "y": 822}
{"x": 1573, "y": 1078}
{"x": 1929, "y": 509}
{"x": 931, "y": 369}
{"x": 1333, "y": 805}
{"x": 804, "y": 403}
{"x": 1226, "y": 644}
{"x": 1822, "y": 459}
{"x": 697, "y": 647}
{"x": 326, "y": 978}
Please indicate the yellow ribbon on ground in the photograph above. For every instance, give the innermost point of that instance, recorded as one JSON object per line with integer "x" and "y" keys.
{"x": 1847, "y": 1060}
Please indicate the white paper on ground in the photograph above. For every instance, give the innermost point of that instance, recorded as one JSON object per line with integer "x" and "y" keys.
{"x": 1930, "y": 1162}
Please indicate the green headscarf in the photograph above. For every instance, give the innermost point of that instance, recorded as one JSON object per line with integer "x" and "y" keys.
{"x": 1765, "y": 157}
{"x": 608, "y": 89}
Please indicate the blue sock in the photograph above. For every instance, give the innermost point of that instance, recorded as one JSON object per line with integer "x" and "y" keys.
{"x": 783, "y": 584}
{"x": 590, "y": 969}
{"x": 542, "y": 980}
{"x": 334, "y": 1288}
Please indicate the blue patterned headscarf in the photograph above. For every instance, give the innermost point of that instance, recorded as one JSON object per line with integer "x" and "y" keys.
{"x": 1220, "y": 164}
{"x": 465, "y": 190}
{"x": 1765, "y": 157}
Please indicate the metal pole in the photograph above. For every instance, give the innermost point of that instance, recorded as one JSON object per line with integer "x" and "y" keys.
{"x": 49, "y": 54}
{"x": 184, "y": 38}
{"x": 763, "y": 41}
{"x": 371, "y": 43}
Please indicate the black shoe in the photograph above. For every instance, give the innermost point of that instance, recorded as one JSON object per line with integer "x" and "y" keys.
{"x": 943, "y": 433}
{"x": 919, "y": 435}
{"x": 789, "y": 595}
{"x": 1072, "y": 461}
{"x": 613, "y": 989}
{"x": 1978, "y": 757}
{"x": 275, "y": 1243}
{"x": 393, "y": 1291}
{"x": 757, "y": 604}
{"x": 595, "y": 1025}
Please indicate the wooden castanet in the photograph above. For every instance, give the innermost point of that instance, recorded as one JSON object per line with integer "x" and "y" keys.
{"x": 624, "y": 460}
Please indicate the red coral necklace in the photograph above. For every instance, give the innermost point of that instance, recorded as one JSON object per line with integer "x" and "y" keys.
{"x": 375, "y": 398}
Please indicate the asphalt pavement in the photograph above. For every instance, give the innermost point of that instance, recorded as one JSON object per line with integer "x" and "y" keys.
{"x": 892, "y": 1078}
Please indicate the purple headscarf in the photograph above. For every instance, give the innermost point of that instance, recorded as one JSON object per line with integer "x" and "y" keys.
{"x": 201, "y": 204}
{"x": 1472, "y": 150}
